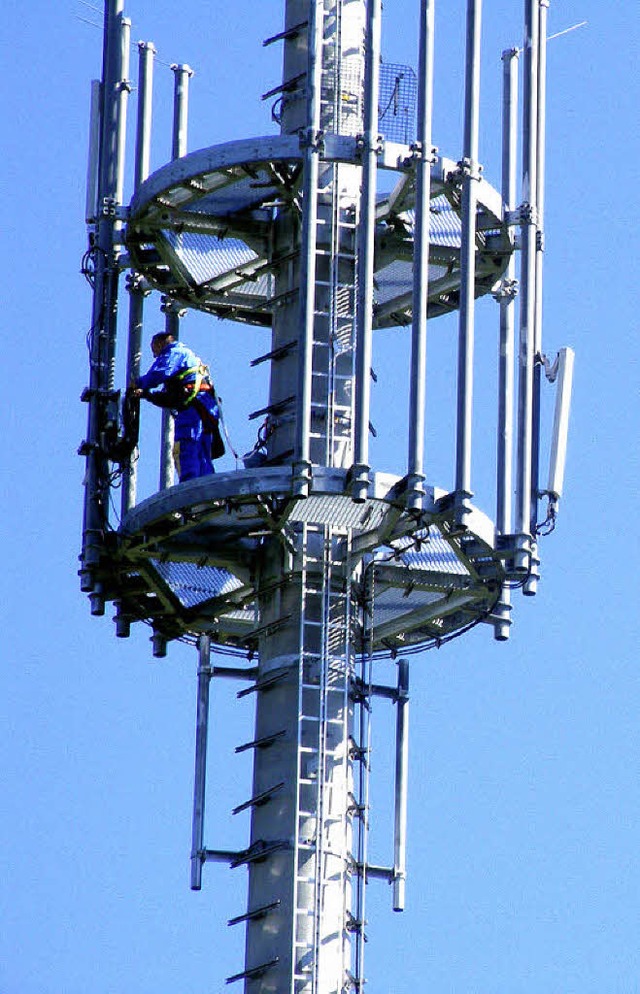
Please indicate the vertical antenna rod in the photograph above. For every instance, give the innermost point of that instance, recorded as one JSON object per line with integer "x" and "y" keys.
{"x": 528, "y": 271}
{"x": 505, "y": 295}
{"x": 507, "y": 298}
{"x": 123, "y": 88}
{"x": 364, "y": 307}
{"x": 182, "y": 74}
{"x": 415, "y": 469}
{"x": 135, "y": 284}
{"x": 146, "y": 54}
{"x": 202, "y": 732}
{"x": 402, "y": 770}
{"x": 470, "y": 174}
{"x": 530, "y": 586}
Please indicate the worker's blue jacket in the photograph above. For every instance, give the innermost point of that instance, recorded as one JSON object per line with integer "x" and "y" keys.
{"x": 174, "y": 359}
{"x": 167, "y": 384}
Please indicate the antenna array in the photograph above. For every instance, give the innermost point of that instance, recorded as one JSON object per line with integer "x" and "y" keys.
{"x": 308, "y": 563}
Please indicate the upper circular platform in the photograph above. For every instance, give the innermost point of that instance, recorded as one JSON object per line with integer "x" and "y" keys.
{"x": 185, "y": 559}
{"x": 200, "y": 228}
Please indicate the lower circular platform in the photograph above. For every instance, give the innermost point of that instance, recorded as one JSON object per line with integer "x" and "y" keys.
{"x": 185, "y": 560}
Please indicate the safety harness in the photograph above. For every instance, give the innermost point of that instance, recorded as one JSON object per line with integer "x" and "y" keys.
{"x": 189, "y": 391}
{"x": 201, "y": 384}
{"x": 178, "y": 395}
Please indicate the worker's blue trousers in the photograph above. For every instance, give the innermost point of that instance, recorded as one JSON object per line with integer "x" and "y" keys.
{"x": 192, "y": 448}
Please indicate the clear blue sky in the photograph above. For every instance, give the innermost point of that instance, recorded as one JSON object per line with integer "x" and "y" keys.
{"x": 525, "y": 795}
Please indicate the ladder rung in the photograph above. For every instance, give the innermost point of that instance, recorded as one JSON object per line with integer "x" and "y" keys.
{"x": 253, "y": 971}
{"x": 276, "y": 354}
{"x": 255, "y": 914}
{"x": 292, "y": 32}
{"x": 258, "y": 851}
{"x": 275, "y": 408}
{"x": 265, "y": 684}
{"x": 289, "y": 84}
{"x": 258, "y": 799}
{"x": 262, "y": 743}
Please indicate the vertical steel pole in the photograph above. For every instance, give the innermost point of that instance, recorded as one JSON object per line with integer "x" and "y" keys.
{"x": 470, "y": 171}
{"x": 530, "y": 587}
{"x": 366, "y": 236}
{"x": 146, "y": 54}
{"x": 298, "y": 934}
{"x": 202, "y": 731}
{"x": 182, "y": 74}
{"x": 123, "y": 90}
{"x": 312, "y": 150}
{"x": 528, "y": 274}
{"x": 104, "y": 310}
{"x": 415, "y": 469}
{"x": 506, "y": 297}
{"x": 402, "y": 769}
{"x": 136, "y": 284}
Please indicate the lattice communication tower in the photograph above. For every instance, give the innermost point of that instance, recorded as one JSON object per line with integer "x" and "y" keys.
{"x": 307, "y": 562}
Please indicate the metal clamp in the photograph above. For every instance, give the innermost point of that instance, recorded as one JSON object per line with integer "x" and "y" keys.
{"x": 376, "y": 145}
{"x": 170, "y": 306}
{"x": 526, "y": 214}
{"x": 111, "y": 208}
{"x": 417, "y": 154}
{"x": 137, "y": 283}
{"x": 467, "y": 169}
{"x": 309, "y": 138}
{"x": 506, "y": 289}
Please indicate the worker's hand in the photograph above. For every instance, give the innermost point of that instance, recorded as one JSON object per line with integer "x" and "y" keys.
{"x": 134, "y": 391}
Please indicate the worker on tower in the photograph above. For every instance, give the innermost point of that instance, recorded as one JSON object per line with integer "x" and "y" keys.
{"x": 179, "y": 380}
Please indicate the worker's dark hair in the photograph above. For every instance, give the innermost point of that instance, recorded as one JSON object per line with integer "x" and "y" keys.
{"x": 162, "y": 336}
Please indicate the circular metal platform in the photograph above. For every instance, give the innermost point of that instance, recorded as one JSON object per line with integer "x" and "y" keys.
{"x": 200, "y": 228}
{"x": 185, "y": 559}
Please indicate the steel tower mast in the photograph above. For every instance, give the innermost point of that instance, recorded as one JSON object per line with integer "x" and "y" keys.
{"x": 307, "y": 562}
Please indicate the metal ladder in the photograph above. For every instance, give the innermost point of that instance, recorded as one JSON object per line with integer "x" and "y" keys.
{"x": 335, "y": 282}
{"x": 331, "y": 820}
{"x": 324, "y": 846}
